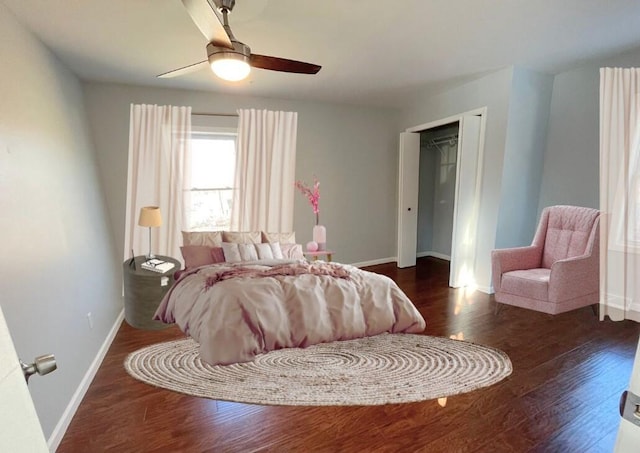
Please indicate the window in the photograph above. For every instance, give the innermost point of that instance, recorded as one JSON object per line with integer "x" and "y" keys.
{"x": 213, "y": 158}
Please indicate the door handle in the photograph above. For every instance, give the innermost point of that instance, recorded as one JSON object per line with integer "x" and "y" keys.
{"x": 630, "y": 407}
{"x": 42, "y": 365}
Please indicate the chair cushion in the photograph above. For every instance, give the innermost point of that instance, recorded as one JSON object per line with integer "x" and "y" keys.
{"x": 568, "y": 231}
{"x": 532, "y": 282}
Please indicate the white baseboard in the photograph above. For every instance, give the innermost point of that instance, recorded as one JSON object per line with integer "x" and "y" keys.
{"x": 391, "y": 259}
{"x": 486, "y": 289}
{"x": 76, "y": 399}
{"x": 394, "y": 259}
{"x": 442, "y": 256}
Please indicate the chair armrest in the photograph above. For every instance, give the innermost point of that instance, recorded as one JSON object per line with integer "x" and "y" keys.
{"x": 574, "y": 277}
{"x": 506, "y": 260}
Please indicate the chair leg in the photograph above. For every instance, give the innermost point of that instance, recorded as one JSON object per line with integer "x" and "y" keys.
{"x": 594, "y": 308}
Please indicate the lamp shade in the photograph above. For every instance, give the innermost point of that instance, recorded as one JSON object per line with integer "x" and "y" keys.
{"x": 150, "y": 217}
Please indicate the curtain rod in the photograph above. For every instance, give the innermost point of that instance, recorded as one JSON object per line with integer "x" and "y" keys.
{"x": 214, "y": 114}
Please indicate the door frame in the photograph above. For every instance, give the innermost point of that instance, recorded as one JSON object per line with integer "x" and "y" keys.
{"x": 482, "y": 113}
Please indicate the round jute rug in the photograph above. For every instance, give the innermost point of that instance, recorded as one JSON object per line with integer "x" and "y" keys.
{"x": 387, "y": 368}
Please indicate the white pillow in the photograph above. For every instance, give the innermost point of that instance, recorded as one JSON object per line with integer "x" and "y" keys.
{"x": 292, "y": 251}
{"x": 234, "y": 252}
{"x": 247, "y": 252}
{"x": 264, "y": 251}
{"x": 231, "y": 252}
{"x": 277, "y": 250}
{"x": 269, "y": 251}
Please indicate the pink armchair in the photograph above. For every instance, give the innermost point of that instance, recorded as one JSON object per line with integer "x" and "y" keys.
{"x": 558, "y": 272}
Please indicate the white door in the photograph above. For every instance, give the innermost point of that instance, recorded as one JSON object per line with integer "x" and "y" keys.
{"x": 467, "y": 200}
{"x": 21, "y": 430}
{"x": 409, "y": 179}
{"x": 628, "y": 440}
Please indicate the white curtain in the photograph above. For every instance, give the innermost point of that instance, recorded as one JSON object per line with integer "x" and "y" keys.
{"x": 620, "y": 193}
{"x": 265, "y": 171}
{"x": 159, "y": 171}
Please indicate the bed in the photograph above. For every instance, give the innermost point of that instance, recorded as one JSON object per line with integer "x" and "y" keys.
{"x": 238, "y": 309}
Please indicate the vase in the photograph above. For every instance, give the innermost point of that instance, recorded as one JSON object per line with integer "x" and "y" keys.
{"x": 320, "y": 237}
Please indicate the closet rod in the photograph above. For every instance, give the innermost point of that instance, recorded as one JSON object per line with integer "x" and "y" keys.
{"x": 445, "y": 139}
{"x": 214, "y": 114}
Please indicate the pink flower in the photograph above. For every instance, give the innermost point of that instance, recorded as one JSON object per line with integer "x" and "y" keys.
{"x": 312, "y": 194}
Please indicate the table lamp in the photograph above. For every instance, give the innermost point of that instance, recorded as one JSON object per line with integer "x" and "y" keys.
{"x": 150, "y": 217}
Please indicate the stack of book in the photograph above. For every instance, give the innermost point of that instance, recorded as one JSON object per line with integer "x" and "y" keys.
{"x": 157, "y": 265}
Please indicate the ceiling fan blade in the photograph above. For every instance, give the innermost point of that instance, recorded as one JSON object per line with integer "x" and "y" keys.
{"x": 283, "y": 64}
{"x": 205, "y": 15}
{"x": 184, "y": 70}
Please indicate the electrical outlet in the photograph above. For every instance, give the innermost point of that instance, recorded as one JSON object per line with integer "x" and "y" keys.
{"x": 90, "y": 319}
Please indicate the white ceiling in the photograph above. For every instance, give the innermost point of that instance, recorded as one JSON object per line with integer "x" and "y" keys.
{"x": 372, "y": 52}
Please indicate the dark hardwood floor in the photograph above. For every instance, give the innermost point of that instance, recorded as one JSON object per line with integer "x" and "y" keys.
{"x": 569, "y": 371}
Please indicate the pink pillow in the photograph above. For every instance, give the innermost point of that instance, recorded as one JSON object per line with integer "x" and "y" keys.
{"x": 217, "y": 255}
{"x": 197, "y": 255}
{"x": 201, "y": 255}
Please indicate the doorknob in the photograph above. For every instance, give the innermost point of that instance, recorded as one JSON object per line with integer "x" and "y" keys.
{"x": 630, "y": 407}
{"x": 42, "y": 365}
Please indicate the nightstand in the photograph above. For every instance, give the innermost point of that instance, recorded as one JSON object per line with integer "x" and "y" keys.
{"x": 320, "y": 253}
{"x": 143, "y": 291}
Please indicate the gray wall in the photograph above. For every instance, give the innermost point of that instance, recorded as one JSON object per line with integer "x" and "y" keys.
{"x": 571, "y": 163}
{"x": 524, "y": 157}
{"x": 572, "y": 156}
{"x": 58, "y": 261}
{"x": 425, "y": 197}
{"x": 352, "y": 151}
{"x": 491, "y": 91}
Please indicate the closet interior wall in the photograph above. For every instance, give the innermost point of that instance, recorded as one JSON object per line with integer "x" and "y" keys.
{"x": 438, "y": 160}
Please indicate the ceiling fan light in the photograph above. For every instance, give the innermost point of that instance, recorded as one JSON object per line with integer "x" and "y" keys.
{"x": 232, "y": 67}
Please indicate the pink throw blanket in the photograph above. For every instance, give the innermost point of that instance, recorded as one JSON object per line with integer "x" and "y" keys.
{"x": 328, "y": 269}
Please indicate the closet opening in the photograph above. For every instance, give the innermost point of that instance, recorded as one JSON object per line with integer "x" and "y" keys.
{"x": 439, "y": 193}
{"x": 437, "y": 189}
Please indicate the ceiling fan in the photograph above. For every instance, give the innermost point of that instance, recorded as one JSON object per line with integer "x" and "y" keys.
{"x": 229, "y": 58}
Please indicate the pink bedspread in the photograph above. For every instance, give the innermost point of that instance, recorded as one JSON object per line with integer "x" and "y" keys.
{"x": 237, "y": 313}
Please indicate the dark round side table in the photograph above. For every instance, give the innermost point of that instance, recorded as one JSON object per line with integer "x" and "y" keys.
{"x": 143, "y": 291}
